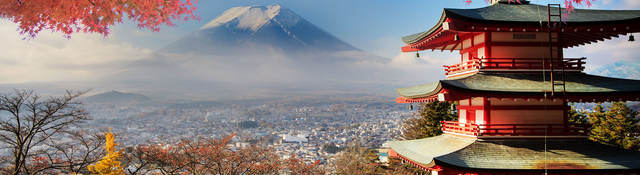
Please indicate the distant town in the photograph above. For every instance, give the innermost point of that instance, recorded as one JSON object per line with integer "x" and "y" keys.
{"x": 310, "y": 129}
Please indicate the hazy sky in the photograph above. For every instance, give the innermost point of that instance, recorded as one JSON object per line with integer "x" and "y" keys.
{"x": 374, "y": 26}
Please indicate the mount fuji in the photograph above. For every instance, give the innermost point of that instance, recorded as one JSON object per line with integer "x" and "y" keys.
{"x": 258, "y": 28}
{"x": 257, "y": 52}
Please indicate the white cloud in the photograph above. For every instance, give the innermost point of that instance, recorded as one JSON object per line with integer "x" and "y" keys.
{"x": 50, "y": 57}
{"x": 609, "y": 51}
{"x": 630, "y": 4}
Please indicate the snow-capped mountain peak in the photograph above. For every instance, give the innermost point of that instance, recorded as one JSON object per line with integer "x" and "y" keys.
{"x": 246, "y": 17}
{"x": 265, "y": 27}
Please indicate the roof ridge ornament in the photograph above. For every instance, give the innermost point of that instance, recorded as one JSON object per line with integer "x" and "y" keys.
{"x": 493, "y": 2}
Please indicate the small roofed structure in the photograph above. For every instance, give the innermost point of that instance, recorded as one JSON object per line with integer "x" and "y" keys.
{"x": 512, "y": 88}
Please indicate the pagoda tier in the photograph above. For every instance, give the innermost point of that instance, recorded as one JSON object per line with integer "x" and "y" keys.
{"x": 516, "y": 37}
{"x": 580, "y": 87}
{"x": 581, "y": 26}
{"x": 512, "y": 87}
{"x": 451, "y": 154}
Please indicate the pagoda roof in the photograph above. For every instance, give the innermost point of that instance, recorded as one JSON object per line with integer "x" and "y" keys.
{"x": 525, "y": 14}
{"x": 424, "y": 150}
{"x": 516, "y": 154}
{"x": 523, "y": 83}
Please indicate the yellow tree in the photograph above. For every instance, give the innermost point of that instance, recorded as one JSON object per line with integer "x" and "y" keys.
{"x": 110, "y": 163}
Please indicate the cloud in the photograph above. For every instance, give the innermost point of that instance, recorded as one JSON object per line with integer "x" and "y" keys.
{"x": 630, "y": 4}
{"x": 606, "y": 2}
{"x": 619, "y": 69}
{"x": 52, "y": 58}
{"x": 603, "y": 53}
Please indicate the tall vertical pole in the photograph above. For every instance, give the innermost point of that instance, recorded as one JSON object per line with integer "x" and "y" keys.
{"x": 550, "y": 30}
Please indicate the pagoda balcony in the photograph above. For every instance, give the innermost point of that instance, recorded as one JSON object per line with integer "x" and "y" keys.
{"x": 514, "y": 64}
{"x": 492, "y": 130}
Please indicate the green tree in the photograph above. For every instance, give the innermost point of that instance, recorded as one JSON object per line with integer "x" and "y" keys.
{"x": 426, "y": 122}
{"x": 577, "y": 117}
{"x": 618, "y": 125}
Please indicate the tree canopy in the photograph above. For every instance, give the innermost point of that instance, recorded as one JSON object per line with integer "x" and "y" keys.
{"x": 93, "y": 16}
{"x": 617, "y": 125}
{"x": 427, "y": 120}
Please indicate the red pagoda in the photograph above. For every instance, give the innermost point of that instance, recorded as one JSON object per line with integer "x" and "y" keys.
{"x": 512, "y": 87}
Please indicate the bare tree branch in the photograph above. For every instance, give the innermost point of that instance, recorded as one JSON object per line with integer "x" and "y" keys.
{"x": 33, "y": 121}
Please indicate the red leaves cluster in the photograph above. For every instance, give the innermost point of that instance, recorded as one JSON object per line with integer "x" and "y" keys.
{"x": 298, "y": 166}
{"x": 569, "y": 4}
{"x": 212, "y": 156}
{"x": 93, "y": 16}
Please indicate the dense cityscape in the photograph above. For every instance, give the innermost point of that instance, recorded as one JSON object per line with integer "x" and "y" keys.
{"x": 310, "y": 130}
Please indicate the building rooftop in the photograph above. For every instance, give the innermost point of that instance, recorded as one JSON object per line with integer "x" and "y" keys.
{"x": 577, "y": 84}
{"x": 525, "y": 14}
{"x": 517, "y": 154}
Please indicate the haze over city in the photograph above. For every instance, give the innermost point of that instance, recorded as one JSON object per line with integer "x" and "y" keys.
{"x": 310, "y": 85}
{"x": 370, "y": 63}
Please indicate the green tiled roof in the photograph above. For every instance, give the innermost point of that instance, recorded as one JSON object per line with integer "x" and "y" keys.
{"x": 527, "y": 13}
{"x": 420, "y": 90}
{"x": 416, "y": 37}
{"x": 516, "y": 154}
{"x": 524, "y": 83}
{"x": 530, "y": 154}
{"x": 424, "y": 150}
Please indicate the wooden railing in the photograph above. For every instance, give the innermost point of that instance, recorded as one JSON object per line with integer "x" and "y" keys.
{"x": 514, "y": 129}
{"x": 517, "y": 64}
{"x": 470, "y": 65}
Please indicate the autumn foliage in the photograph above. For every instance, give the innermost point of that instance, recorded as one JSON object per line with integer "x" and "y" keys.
{"x": 212, "y": 156}
{"x": 616, "y": 125}
{"x": 110, "y": 163}
{"x": 93, "y": 16}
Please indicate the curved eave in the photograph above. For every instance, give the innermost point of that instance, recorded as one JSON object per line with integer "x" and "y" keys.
{"x": 527, "y": 17}
{"x": 420, "y": 91}
{"x": 534, "y": 14}
{"x": 410, "y": 39}
{"x": 526, "y": 155}
{"x": 580, "y": 88}
{"x": 423, "y": 151}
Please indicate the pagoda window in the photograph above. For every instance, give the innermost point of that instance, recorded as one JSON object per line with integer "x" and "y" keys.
{"x": 476, "y": 101}
{"x": 480, "y": 52}
{"x": 466, "y": 43}
{"x": 462, "y": 116}
{"x": 478, "y": 39}
{"x": 464, "y": 102}
{"x": 471, "y": 110}
{"x": 480, "y": 117}
{"x": 465, "y": 57}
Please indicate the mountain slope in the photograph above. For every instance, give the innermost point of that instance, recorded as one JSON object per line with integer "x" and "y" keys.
{"x": 257, "y": 27}
{"x": 117, "y": 97}
{"x": 257, "y": 52}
